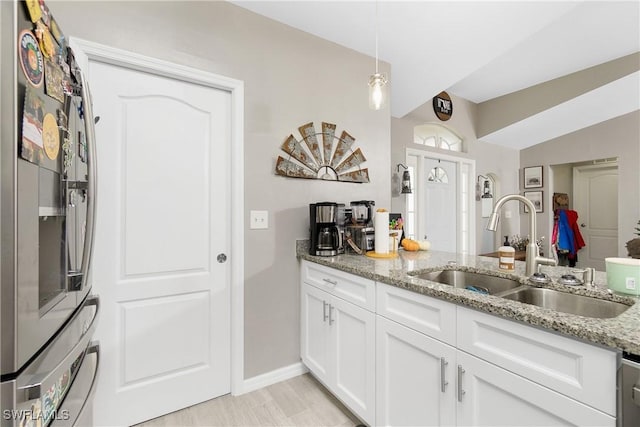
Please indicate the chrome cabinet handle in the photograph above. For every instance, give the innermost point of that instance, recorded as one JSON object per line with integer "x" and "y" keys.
{"x": 92, "y": 186}
{"x": 443, "y": 382}
{"x": 331, "y": 319}
{"x": 324, "y": 311}
{"x": 332, "y": 282}
{"x": 461, "y": 392}
{"x": 635, "y": 394}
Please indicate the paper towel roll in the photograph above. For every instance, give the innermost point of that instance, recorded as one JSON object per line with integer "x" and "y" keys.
{"x": 381, "y": 226}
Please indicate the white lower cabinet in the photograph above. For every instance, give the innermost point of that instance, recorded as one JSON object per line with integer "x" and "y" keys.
{"x": 415, "y": 378}
{"x": 314, "y": 317}
{"x": 338, "y": 347}
{"x": 421, "y": 381}
{"x": 420, "y": 361}
{"x": 491, "y": 396}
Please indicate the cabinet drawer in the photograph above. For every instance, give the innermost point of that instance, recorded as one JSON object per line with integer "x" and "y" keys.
{"x": 582, "y": 371}
{"x": 352, "y": 288}
{"x": 424, "y": 314}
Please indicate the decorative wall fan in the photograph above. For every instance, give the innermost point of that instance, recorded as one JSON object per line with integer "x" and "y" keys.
{"x": 331, "y": 161}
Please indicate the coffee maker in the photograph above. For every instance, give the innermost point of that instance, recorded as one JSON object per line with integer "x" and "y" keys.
{"x": 361, "y": 225}
{"x": 326, "y": 225}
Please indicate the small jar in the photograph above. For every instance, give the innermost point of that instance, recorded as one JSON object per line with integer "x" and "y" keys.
{"x": 507, "y": 258}
{"x": 393, "y": 241}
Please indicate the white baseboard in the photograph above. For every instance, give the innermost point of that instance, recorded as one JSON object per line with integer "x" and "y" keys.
{"x": 275, "y": 376}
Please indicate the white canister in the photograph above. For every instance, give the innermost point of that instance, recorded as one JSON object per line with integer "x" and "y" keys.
{"x": 506, "y": 258}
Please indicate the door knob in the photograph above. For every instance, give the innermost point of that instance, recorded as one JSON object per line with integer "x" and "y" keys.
{"x": 221, "y": 258}
{"x": 582, "y": 225}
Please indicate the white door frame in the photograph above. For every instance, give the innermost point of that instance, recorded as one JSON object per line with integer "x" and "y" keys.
{"x": 594, "y": 167}
{"x": 468, "y": 218}
{"x": 85, "y": 51}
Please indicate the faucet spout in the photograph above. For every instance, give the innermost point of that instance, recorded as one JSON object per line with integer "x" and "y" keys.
{"x": 533, "y": 258}
{"x": 492, "y": 225}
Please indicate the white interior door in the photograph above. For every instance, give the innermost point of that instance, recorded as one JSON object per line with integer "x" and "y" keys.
{"x": 440, "y": 213}
{"x": 163, "y": 215}
{"x": 596, "y": 201}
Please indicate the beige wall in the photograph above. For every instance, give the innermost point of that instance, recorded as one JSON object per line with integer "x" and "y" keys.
{"x": 490, "y": 158}
{"x": 619, "y": 137}
{"x": 503, "y": 111}
{"x": 290, "y": 78}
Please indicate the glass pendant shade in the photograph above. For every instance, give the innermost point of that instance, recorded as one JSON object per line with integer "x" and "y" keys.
{"x": 377, "y": 91}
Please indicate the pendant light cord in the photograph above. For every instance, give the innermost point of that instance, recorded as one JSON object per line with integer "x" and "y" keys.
{"x": 376, "y": 36}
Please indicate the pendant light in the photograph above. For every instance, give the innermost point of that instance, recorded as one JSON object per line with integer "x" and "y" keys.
{"x": 377, "y": 81}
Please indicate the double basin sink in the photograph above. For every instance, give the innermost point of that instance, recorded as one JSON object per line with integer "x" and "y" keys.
{"x": 517, "y": 290}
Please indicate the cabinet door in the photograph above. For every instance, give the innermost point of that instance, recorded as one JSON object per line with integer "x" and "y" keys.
{"x": 314, "y": 330}
{"x": 491, "y": 396}
{"x": 415, "y": 378}
{"x": 582, "y": 371}
{"x": 353, "y": 338}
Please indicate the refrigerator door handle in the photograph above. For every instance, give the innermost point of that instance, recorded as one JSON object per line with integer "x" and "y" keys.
{"x": 93, "y": 176}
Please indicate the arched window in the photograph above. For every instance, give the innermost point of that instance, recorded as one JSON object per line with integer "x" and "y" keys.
{"x": 437, "y": 136}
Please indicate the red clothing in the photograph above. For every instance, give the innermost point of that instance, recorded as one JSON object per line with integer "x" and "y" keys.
{"x": 572, "y": 217}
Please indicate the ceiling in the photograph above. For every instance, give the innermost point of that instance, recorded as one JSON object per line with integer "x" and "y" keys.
{"x": 479, "y": 50}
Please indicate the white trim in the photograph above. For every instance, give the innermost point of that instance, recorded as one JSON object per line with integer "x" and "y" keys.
{"x": 275, "y": 376}
{"x": 471, "y": 219}
{"x": 84, "y": 51}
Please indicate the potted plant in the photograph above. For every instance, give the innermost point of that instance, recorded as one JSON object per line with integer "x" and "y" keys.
{"x": 633, "y": 245}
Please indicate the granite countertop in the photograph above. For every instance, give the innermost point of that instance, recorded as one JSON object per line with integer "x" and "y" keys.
{"x": 621, "y": 332}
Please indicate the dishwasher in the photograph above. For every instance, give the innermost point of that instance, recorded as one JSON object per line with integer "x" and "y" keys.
{"x": 629, "y": 391}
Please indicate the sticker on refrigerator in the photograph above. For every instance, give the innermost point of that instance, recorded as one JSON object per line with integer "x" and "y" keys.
{"x": 31, "y": 58}
{"x": 47, "y": 45}
{"x": 49, "y": 403}
{"x": 56, "y": 32}
{"x": 50, "y": 136}
{"x": 82, "y": 147}
{"x": 68, "y": 155}
{"x": 32, "y": 118}
{"x": 35, "y": 13}
{"x": 32, "y": 417}
{"x": 63, "y": 121}
{"x": 54, "y": 81}
{"x": 46, "y": 15}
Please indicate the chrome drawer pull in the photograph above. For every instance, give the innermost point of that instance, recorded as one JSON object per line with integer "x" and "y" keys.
{"x": 443, "y": 382}
{"x": 461, "y": 392}
{"x": 332, "y": 282}
{"x": 324, "y": 311}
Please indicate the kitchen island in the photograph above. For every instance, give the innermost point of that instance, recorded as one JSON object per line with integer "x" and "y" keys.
{"x": 398, "y": 349}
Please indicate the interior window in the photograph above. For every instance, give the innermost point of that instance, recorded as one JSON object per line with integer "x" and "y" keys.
{"x": 437, "y": 136}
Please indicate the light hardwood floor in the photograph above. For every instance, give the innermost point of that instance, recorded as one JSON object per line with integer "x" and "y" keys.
{"x": 300, "y": 401}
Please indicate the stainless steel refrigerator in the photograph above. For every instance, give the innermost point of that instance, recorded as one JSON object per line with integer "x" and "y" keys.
{"x": 47, "y": 215}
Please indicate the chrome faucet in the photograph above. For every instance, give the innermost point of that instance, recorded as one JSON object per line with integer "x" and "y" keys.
{"x": 533, "y": 258}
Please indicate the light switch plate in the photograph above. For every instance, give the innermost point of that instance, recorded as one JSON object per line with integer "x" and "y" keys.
{"x": 259, "y": 220}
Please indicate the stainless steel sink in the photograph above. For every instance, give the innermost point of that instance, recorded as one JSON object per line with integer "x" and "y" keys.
{"x": 567, "y": 303}
{"x": 483, "y": 283}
